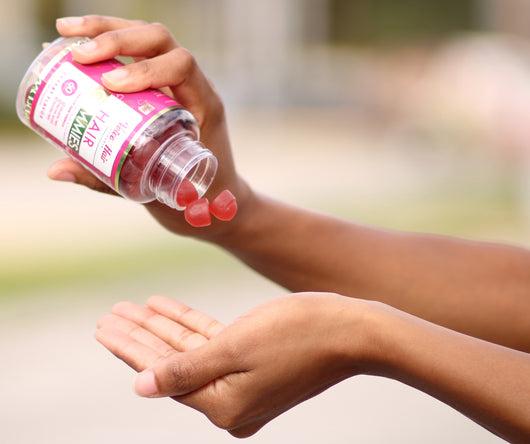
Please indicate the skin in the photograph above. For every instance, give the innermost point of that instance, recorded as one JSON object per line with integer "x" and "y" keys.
{"x": 284, "y": 352}
{"x": 476, "y": 359}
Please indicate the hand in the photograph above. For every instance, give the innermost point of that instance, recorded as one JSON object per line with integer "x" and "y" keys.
{"x": 244, "y": 375}
{"x": 160, "y": 63}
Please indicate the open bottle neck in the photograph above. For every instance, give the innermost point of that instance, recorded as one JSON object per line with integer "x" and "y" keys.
{"x": 181, "y": 157}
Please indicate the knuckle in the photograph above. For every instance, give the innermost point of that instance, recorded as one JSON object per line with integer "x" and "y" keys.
{"x": 112, "y": 37}
{"x": 180, "y": 373}
{"x": 228, "y": 414}
{"x": 100, "y": 187}
{"x": 138, "y": 22}
{"x": 183, "y": 338}
{"x": 232, "y": 352}
{"x": 184, "y": 312}
{"x": 93, "y": 183}
{"x": 134, "y": 330}
{"x": 144, "y": 67}
{"x": 148, "y": 318}
{"x": 167, "y": 355}
{"x": 241, "y": 433}
{"x": 186, "y": 58}
{"x": 224, "y": 420}
{"x": 94, "y": 22}
{"x": 211, "y": 327}
{"x": 215, "y": 110}
{"x": 109, "y": 40}
{"x": 196, "y": 341}
{"x": 164, "y": 357}
{"x": 160, "y": 29}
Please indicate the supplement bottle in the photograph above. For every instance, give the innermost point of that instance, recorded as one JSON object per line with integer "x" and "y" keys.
{"x": 144, "y": 145}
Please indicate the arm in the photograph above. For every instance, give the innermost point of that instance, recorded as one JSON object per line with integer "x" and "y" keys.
{"x": 476, "y": 288}
{"x": 486, "y": 382}
{"x": 481, "y": 289}
{"x": 289, "y": 350}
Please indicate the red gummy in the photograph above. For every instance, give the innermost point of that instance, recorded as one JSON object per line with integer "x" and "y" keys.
{"x": 224, "y": 206}
{"x": 186, "y": 194}
{"x": 130, "y": 184}
{"x": 130, "y": 172}
{"x": 197, "y": 213}
{"x": 140, "y": 155}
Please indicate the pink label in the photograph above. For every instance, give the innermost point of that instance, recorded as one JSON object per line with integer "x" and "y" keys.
{"x": 96, "y": 126}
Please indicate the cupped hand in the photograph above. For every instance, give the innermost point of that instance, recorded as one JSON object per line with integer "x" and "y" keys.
{"x": 243, "y": 375}
{"x": 160, "y": 63}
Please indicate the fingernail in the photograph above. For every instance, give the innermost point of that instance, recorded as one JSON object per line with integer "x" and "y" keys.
{"x": 115, "y": 76}
{"x": 64, "y": 177}
{"x": 70, "y": 21}
{"x": 87, "y": 47}
{"x": 145, "y": 384}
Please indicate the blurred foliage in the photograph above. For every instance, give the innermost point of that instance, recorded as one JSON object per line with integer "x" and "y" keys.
{"x": 481, "y": 212}
{"x": 390, "y": 21}
{"x": 350, "y": 22}
{"x": 40, "y": 273}
{"x": 47, "y": 12}
{"x": 10, "y": 123}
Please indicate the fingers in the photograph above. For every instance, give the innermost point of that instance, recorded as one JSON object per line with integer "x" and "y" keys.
{"x": 170, "y": 69}
{"x": 174, "y": 334}
{"x": 92, "y": 25}
{"x": 166, "y": 65}
{"x": 184, "y": 373}
{"x": 64, "y": 170}
{"x": 133, "y": 353}
{"x": 138, "y": 41}
{"x": 68, "y": 170}
{"x": 136, "y": 332}
{"x": 186, "y": 316}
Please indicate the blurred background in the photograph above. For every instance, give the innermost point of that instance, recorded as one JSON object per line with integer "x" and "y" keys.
{"x": 411, "y": 115}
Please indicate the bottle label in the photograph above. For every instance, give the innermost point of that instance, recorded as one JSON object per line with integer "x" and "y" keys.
{"x": 96, "y": 126}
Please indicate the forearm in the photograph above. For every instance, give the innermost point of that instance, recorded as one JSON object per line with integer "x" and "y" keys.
{"x": 486, "y": 382}
{"x": 477, "y": 288}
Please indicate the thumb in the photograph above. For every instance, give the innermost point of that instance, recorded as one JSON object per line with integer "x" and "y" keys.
{"x": 185, "y": 372}
{"x": 68, "y": 170}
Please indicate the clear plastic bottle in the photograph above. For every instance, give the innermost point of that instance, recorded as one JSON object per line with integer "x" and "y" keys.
{"x": 144, "y": 145}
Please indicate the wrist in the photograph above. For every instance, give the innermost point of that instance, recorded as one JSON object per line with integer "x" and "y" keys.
{"x": 365, "y": 345}
{"x": 233, "y": 233}
{"x": 393, "y": 336}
